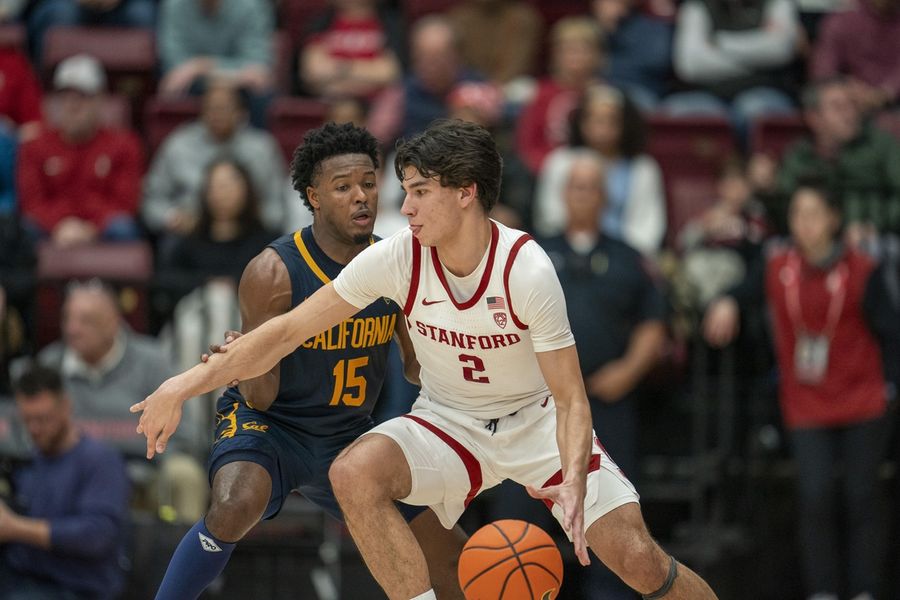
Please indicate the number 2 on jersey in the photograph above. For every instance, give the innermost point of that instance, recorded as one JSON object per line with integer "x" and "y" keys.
{"x": 346, "y": 376}
{"x": 477, "y": 366}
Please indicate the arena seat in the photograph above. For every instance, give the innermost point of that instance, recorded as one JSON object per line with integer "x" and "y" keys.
{"x": 290, "y": 118}
{"x": 773, "y": 135}
{"x": 163, "y": 115}
{"x": 282, "y": 61}
{"x": 690, "y": 152}
{"x": 296, "y": 15}
{"x": 128, "y": 266}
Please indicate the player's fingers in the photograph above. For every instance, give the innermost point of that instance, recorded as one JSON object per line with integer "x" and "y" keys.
{"x": 138, "y": 407}
{"x": 235, "y": 383}
{"x": 151, "y": 443}
{"x": 581, "y": 550}
{"x": 204, "y": 357}
{"x": 163, "y": 439}
{"x": 232, "y": 335}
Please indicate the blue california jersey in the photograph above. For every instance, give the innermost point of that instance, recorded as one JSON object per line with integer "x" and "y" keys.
{"x": 330, "y": 382}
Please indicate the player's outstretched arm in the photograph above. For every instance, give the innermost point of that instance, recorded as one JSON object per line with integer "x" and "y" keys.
{"x": 247, "y": 357}
{"x": 573, "y": 436}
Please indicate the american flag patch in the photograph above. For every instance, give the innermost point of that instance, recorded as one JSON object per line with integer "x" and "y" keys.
{"x": 496, "y": 303}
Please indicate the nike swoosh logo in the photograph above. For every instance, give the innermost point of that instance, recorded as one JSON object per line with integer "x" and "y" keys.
{"x": 427, "y": 302}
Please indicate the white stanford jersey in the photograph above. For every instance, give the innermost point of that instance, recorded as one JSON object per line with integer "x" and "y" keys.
{"x": 476, "y": 336}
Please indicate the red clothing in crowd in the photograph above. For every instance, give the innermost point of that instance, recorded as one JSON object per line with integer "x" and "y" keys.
{"x": 853, "y": 387}
{"x": 544, "y": 124}
{"x": 862, "y": 43}
{"x": 20, "y": 92}
{"x": 350, "y": 39}
{"x": 94, "y": 181}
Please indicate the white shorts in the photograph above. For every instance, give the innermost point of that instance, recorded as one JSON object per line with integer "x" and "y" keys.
{"x": 453, "y": 456}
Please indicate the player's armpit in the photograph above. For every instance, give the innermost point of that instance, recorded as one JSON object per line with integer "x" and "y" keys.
{"x": 264, "y": 293}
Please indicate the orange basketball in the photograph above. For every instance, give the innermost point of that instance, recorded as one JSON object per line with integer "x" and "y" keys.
{"x": 510, "y": 560}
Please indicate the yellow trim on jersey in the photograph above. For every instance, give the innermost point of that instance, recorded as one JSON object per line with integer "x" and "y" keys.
{"x": 304, "y": 252}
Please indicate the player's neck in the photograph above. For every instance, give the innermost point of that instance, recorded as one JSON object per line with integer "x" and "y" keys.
{"x": 336, "y": 248}
{"x": 462, "y": 254}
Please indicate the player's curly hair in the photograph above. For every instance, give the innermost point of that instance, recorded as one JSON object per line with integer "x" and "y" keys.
{"x": 458, "y": 153}
{"x": 324, "y": 142}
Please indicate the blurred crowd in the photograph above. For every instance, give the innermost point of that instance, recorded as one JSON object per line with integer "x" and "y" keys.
{"x": 713, "y": 174}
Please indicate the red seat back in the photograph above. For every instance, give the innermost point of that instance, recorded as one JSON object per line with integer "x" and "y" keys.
{"x": 163, "y": 115}
{"x": 127, "y": 266}
{"x": 290, "y": 119}
{"x": 773, "y": 135}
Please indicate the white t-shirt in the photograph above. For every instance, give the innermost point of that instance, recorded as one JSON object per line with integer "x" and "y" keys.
{"x": 475, "y": 336}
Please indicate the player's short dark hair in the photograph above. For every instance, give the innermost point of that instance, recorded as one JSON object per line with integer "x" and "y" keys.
{"x": 37, "y": 378}
{"x": 458, "y": 153}
{"x": 324, "y": 142}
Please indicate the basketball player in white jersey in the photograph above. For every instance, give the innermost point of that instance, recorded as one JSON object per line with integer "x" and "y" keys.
{"x": 502, "y": 394}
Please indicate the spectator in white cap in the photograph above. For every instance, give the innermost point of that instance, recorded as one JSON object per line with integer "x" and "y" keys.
{"x": 79, "y": 181}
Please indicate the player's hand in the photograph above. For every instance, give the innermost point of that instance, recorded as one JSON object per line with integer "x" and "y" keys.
{"x": 161, "y": 413}
{"x": 569, "y": 495}
{"x": 230, "y": 336}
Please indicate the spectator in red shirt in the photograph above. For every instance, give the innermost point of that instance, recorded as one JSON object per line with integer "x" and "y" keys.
{"x": 862, "y": 43}
{"x": 825, "y": 304}
{"x": 80, "y": 181}
{"x": 20, "y": 118}
{"x": 352, "y": 52}
{"x": 576, "y": 57}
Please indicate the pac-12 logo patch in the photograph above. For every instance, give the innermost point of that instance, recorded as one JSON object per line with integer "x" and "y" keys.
{"x": 208, "y": 544}
{"x": 500, "y": 319}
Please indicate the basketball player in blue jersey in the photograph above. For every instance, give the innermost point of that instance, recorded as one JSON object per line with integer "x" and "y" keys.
{"x": 280, "y": 432}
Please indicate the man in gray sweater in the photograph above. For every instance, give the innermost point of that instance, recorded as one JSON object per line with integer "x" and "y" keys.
{"x": 106, "y": 367}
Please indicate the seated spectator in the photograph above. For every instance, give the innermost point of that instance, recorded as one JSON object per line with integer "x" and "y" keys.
{"x": 737, "y": 55}
{"x": 227, "y": 235}
{"x": 859, "y": 162}
{"x": 720, "y": 244}
{"x": 480, "y": 23}
{"x": 862, "y": 43}
{"x": 224, "y": 39}
{"x": 638, "y": 50}
{"x": 171, "y": 204}
{"x": 106, "y": 367}
{"x": 353, "y": 50}
{"x": 405, "y": 110}
{"x": 832, "y": 389}
{"x": 79, "y": 181}
{"x": 47, "y": 14}
{"x": 575, "y": 59}
{"x": 64, "y": 537}
{"x": 607, "y": 122}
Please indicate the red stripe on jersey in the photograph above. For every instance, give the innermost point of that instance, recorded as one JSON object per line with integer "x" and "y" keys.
{"x": 485, "y": 277}
{"x": 414, "y": 280}
{"x": 558, "y": 476}
{"x": 513, "y": 252}
{"x": 473, "y": 467}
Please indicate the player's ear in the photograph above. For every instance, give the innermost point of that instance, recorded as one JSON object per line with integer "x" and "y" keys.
{"x": 313, "y": 196}
{"x": 468, "y": 194}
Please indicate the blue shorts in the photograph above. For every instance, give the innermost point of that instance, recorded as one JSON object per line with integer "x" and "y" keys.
{"x": 295, "y": 460}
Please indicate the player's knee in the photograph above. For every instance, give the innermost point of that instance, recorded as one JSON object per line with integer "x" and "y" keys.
{"x": 644, "y": 564}
{"x": 233, "y": 513}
